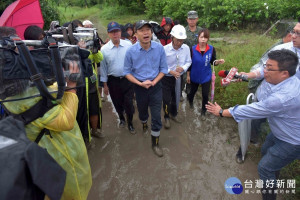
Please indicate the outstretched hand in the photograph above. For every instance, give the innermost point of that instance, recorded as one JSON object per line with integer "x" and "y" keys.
{"x": 213, "y": 108}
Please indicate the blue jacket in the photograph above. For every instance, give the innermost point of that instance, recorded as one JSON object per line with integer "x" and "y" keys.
{"x": 201, "y": 69}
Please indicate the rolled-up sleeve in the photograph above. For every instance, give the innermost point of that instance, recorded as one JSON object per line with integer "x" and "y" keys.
{"x": 188, "y": 60}
{"x": 103, "y": 70}
{"x": 127, "y": 63}
{"x": 163, "y": 67}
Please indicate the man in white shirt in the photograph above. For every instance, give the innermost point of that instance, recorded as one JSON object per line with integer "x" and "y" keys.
{"x": 178, "y": 60}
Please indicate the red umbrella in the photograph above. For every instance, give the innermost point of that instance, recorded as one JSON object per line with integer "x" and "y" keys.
{"x": 21, "y": 14}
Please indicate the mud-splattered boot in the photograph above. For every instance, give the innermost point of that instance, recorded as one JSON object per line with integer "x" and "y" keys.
{"x": 155, "y": 146}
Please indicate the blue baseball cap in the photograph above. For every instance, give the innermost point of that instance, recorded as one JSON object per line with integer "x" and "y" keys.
{"x": 113, "y": 26}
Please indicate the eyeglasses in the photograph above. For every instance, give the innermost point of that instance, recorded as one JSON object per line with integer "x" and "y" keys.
{"x": 296, "y": 33}
{"x": 266, "y": 68}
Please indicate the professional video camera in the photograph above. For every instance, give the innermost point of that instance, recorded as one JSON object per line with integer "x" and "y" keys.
{"x": 92, "y": 43}
{"x": 21, "y": 68}
{"x": 72, "y": 35}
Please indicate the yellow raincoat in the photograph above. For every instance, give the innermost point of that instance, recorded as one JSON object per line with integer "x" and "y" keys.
{"x": 66, "y": 145}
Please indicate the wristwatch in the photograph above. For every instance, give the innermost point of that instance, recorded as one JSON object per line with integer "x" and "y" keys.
{"x": 221, "y": 112}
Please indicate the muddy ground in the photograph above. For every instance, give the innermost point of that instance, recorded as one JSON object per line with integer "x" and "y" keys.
{"x": 199, "y": 156}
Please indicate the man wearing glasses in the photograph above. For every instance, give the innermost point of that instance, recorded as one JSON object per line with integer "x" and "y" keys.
{"x": 257, "y": 74}
{"x": 280, "y": 105}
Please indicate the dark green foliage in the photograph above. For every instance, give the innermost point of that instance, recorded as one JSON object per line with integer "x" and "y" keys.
{"x": 49, "y": 11}
{"x": 228, "y": 14}
{"x": 3, "y": 5}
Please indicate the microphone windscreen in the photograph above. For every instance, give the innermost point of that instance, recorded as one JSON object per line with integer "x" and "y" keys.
{"x": 222, "y": 74}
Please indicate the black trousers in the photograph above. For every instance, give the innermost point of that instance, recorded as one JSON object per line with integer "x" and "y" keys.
{"x": 121, "y": 92}
{"x": 150, "y": 98}
{"x": 169, "y": 97}
{"x": 205, "y": 92}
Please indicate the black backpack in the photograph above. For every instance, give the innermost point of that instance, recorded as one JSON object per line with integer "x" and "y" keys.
{"x": 27, "y": 171}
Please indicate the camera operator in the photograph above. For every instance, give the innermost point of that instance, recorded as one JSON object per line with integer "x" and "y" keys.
{"x": 64, "y": 140}
{"x": 94, "y": 106}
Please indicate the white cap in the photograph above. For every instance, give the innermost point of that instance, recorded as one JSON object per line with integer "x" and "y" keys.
{"x": 153, "y": 22}
{"x": 178, "y": 31}
{"x": 87, "y": 22}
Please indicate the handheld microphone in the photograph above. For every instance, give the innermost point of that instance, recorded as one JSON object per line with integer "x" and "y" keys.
{"x": 224, "y": 73}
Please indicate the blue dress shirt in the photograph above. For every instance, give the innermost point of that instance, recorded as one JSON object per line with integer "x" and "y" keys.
{"x": 145, "y": 64}
{"x": 280, "y": 104}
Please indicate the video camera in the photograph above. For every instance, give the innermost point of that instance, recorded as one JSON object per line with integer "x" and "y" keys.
{"x": 72, "y": 35}
{"x": 21, "y": 68}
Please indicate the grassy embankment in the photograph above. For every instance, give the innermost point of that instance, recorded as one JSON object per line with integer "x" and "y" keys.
{"x": 241, "y": 55}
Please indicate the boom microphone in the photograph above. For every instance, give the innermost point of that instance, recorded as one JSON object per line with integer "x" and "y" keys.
{"x": 224, "y": 73}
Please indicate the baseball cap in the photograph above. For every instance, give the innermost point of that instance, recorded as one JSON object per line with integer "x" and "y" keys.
{"x": 113, "y": 26}
{"x": 192, "y": 14}
{"x": 142, "y": 23}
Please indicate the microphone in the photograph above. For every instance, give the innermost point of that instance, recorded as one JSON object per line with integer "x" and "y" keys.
{"x": 224, "y": 73}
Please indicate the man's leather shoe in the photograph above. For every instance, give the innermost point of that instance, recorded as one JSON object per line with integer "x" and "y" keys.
{"x": 131, "y": 129}
{"x": 122, "y": 124}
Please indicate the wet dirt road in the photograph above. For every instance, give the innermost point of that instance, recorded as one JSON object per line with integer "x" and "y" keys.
{"x": 199, "y": 156}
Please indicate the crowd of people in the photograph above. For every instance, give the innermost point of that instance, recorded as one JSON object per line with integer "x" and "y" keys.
{"x": 153, "y": 64}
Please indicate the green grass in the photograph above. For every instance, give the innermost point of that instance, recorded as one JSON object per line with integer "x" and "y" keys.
{"x": 102, "y": 13}
{"x": 70, "y": 13}
{"x": 119, "y": 14}
{"x": 242, "y": 56}
{"x": 125, "y": 19}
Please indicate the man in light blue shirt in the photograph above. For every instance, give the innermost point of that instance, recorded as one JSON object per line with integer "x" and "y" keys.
{"x": 279, "y": 103}
{"x": 178, "y": 60}
{"x": 290, "y": 42}
{"x": 145, "y": 65}
{"x": 112, "y": 65}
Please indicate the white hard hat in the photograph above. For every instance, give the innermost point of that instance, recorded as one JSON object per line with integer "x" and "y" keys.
{"x": 178, "y": 31}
